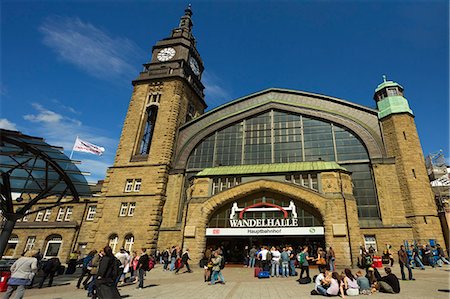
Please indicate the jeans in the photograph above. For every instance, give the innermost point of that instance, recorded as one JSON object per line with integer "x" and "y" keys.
{"x": 20, "y": 291}
{"x": 91, "y": 285}
{"x": 285, "y": 269}
{"x": 141, "y": 278}
{"x": 332, "y": 267}
{"x": 172, "y": 263}
{"x": 402, "y": 270}
{"x": 215, "y": 275}
{"x": 444, "y": 260}
{"x": 166, "y": 264}
{"x": 321, "y": 290}
{"x": 418, "y": 262}
{"x": 252, "y": 262}
{"x": 275, "y": 268}
{"x": 431, "y": 261}
{"x": 292, "y": 267}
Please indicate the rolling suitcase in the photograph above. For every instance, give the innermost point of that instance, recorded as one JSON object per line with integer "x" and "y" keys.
{"x": 257, "y": 270}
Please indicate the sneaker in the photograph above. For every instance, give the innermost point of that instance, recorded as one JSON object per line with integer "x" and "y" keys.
{"x": 412, "y": 279}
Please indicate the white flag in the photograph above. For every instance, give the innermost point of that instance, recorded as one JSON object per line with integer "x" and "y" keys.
{"x": 84, "y": 146}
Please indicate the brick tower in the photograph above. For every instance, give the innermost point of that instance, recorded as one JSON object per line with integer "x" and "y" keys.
{"x": 166, "y": 94}
{"x": 402, "y": 142}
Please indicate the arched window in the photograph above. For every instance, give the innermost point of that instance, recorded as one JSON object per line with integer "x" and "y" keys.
{"x": 151, "y": 114}
{"x": 129, "y": 241}
{"x": 113, "y": 240}
{"x": 10, "y": 250}
{"x": 53, "y": 245}
{"x": 283, "y": 137}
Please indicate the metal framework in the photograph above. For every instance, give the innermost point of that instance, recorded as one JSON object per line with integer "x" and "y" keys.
{"x": 32, "y": 170}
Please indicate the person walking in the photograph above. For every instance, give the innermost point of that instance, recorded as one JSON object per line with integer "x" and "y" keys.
{"x": 22, "y": 273}
{"x": 304, "y": 259}
{"x": 93, "y": 267}
{"x": 166, "y": 259}
{"x": 403, "y": 262}
{"x": 217, "y": 273}
{"x": 108, "y": 271}
{"x": 252, "y": 256}
{"x": 50, "y": 268}
{"x": 185, "y": 257}
{"x": 124, "y": 259}
{"x": 143, "y": 267}
{"x": 173, "y": 257}
{"x": 85, "y": 271}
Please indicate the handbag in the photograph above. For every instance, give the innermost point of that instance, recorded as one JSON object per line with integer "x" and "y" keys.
{"x": 321, "y": 261}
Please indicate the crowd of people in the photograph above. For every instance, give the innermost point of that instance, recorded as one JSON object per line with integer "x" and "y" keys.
{"x": 102, "y": 272}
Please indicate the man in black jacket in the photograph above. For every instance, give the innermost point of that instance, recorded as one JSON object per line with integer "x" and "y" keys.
{"x": 108, "y": 271}
{"x": 142, "y": 266}
{"x": 50, "y": 268}
{"x": 389, "y": 283}
{"x": 185, "y": 257}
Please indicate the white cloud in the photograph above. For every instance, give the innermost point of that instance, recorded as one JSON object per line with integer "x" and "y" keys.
{"x": 44, "y": 115}
{"x": 214, "y": 92}
{"x": 6, "y": 124}
{"x": 89, "y": 48}
{"x": 60, "y": 130}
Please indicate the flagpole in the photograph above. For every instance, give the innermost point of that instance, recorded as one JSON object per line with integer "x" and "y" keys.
{"x": 71, "y": 153}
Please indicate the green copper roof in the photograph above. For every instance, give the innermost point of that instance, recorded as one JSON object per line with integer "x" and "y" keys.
{"x": 391, "y": 105}
{"x": 270, "y": 168}
{"x": 387, "y": 84}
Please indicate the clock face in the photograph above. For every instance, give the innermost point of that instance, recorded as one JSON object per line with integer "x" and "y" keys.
{"x": 166, "y": 54}
{"x": 194, "y": 66}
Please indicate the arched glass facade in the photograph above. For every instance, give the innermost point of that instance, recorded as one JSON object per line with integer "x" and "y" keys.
{"x": 282, "y": 137}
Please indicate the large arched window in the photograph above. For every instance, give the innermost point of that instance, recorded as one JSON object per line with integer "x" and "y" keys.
{"x": 282, "y": 137}
{"x": 53, "y": 245}
{"x": 151, "y": 114}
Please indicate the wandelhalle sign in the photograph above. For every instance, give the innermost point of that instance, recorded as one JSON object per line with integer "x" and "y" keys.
{"x": 286, "y": 226}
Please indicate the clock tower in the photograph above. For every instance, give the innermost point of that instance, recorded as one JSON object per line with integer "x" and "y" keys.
{"x": 166, "y": 94}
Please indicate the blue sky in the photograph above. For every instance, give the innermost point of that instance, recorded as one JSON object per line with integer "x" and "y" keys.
{"x": 67, "y": 66}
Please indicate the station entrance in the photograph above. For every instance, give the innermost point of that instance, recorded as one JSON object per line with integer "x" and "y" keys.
{"x": 234, "y": 247}
{"x": 264, "y": 219}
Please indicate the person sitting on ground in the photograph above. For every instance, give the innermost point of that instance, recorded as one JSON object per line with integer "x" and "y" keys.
{"x": 351, "y": 287}
{"x": 363, "y": 283}
{"x": 389, "y": 283}
{"x": 321, "y": 284}
{"x": 336, "y": 286}
{"x": 373, "y": 278}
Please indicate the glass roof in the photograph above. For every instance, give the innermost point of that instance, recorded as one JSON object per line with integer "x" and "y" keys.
{"x": 34, "y": 166}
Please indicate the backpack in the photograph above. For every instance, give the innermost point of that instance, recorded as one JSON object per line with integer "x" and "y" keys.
{"x": 304, "y": 280}
{"x": 264, "y": 274}
{"x": 151, "y": 263}
{"x": 368, "y": 260}
{"x": 301, "y": 258}
{"x": 222, "y": 263}
{"x": 269, "y": 256}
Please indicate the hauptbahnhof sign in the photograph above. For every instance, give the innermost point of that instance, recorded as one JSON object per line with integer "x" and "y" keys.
{"x": 264, "y": 227}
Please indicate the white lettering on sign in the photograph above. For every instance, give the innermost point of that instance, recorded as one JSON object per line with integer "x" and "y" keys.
{"x": 264, "y": 222}
{"x": 266, "y": 231}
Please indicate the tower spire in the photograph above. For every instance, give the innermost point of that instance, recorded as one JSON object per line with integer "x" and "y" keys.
{"x": 185, "y": 20}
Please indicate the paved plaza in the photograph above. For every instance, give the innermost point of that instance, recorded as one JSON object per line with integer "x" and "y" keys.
{"x": 240, "y": 283}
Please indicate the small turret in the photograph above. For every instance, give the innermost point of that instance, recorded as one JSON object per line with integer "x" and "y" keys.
{"x": 390, "y": 99}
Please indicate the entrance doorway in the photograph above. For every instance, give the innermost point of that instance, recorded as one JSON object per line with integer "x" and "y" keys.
{"x": 234, "y": 247}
